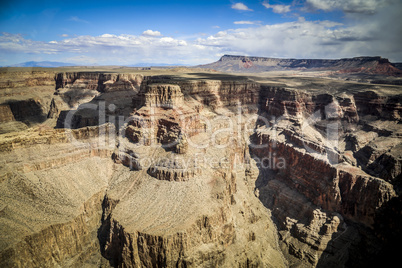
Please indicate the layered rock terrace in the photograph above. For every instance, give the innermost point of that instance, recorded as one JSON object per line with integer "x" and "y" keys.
{"x": 197, "y": 170}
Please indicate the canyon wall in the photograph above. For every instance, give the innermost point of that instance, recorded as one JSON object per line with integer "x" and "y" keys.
{"x": 16, "y": 79}
{"x": 215, "y": 210}
{"x": 52, "y": 186}
{"x": 98, "y": 81}
{"x": 81, "y": 96}
{"x": 201, "y": 172}
{"x": 25, "y": 96}
{"x": 193, "y": 217}
{"x": 324, "y": 188}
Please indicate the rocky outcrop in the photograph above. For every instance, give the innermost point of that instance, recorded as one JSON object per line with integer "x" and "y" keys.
{"x": 210, "y": 232}
{"x": 159, "y": 95}
{"x": 202, "y": 233}
{"x": 162, "y": 118}
{"x": 214, "y": 93}
{"x": 173, "y": 169}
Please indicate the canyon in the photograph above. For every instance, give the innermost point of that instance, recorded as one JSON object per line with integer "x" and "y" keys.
{"x": 193, "y": 167}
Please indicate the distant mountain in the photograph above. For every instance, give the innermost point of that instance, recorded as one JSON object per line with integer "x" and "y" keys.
{"x": 371, "y": 65}
{"x": 43, "y": 64}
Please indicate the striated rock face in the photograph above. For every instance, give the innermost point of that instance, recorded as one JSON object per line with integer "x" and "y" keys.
{"x": 214, "y": 93}
{"x": 321, "y": 183}
{"x": 200, "y": 171}
{"x": 206, "y": 229}
{"x": 159, "y": 95}
{"x": 16, "y": 79}
{"x": 89, "y": 99}
{"x": 382, "y": 107}
{"x": 191, "y": 215}
{"x": 81, "y": 87}
{"x": 28, "y": 110}
{"x": 69, "y": 243}
{"x": 38, "y": 136}
{"x": 24, "y": 98}
{"x": 98, "y": 81}
{"x": 212, "y": 224}
{"x": 290, "y": 102}
{"x": 49, "y": 212}
{"x": 162, "y": 118}
{"x": 173, "y": 170}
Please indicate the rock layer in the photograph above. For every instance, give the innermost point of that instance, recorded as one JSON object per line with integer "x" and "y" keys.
{"x": 203, "y": 171}
{"x": 320, "y": 175}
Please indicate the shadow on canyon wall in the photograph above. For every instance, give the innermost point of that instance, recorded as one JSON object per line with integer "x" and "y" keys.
{"x": 27, "y": 111}
{"x": 352, "y": 245}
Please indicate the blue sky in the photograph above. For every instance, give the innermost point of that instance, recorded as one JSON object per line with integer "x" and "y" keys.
{"x": 195, "y": 32}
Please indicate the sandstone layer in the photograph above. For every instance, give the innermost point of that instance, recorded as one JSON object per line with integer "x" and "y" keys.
{"x": 197, "y": 170}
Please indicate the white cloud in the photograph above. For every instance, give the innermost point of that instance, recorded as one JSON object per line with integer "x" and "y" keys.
{"x": 76, "y": 19}
{"x": 109, "y": 49}
{"x": 241, "y": 6}
{"x": 107, "y": 35}
{"x": 315, "y": 39}
{"x": 247, "y": 22}
{"x": 64, "y": 35}
{"x": 151, "y": 33}
{"x": 277, "y": 8}
{"x": 216, "y": 27}
{"x": 348, "y": 6}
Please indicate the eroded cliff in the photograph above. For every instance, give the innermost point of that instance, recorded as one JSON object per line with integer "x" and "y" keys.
{"x": 326, "y": 197}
